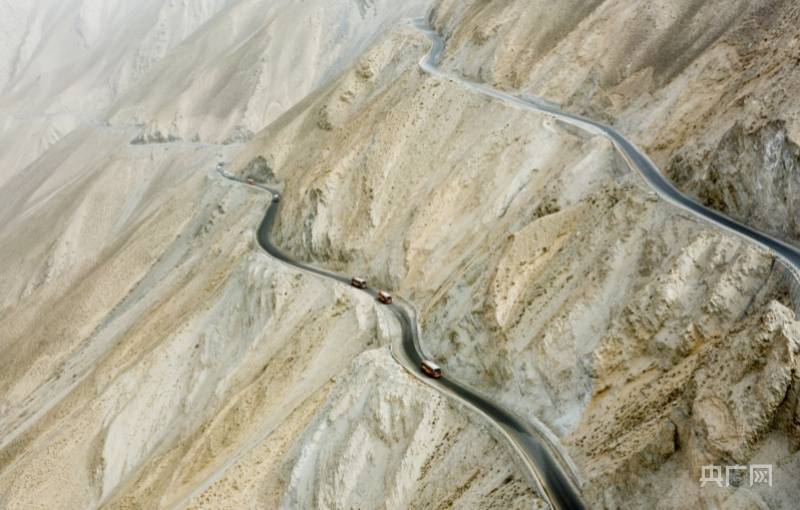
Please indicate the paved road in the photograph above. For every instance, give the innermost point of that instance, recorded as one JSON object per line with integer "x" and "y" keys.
{"x": 538, "y": 452}
{"x": 636, "y": 159}
{"x": 547, "y": 466}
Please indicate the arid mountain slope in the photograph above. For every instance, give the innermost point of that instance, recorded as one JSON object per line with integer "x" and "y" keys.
{"x": 62, "y": 64}
{"x": 701, "y": 85}
{"x": 249, "y": 65}
{"x": 152, "y": 356}
{"x": 546, "y": 272}
{"x": 150, "y": 349}
{"x": 211, "y": 70}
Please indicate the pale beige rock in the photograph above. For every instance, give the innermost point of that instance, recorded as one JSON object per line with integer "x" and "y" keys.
{"x": 152, "y": 356}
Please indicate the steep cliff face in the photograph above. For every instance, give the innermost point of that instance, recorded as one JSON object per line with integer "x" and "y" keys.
{"x": 597, "y": 56}
{"x": 546, "y": 274}
{"x": 753, "y": 175}
{"x": 683, "y": 78}
{"x": 152, "y": 356}
{"x": 158, "y": 340}
{"x": 370, "y": 446}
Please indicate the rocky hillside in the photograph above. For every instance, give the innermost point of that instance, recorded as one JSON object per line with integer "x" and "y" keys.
{"x": 63, "y": 64}
{"x": 152, "y": 356}
{"x": 548, "y": 274}
{"x": 708, "y": 88}
{"x": 151, "y": 353}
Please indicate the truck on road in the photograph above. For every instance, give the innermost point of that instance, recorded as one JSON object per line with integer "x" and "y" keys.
{"x": 430, "y": 369}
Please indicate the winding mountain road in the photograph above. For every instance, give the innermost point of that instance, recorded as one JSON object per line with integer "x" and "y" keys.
{"x": 547, "y": 465}
{"x": 540, "y": 455}
{"x": 636, "y": 159}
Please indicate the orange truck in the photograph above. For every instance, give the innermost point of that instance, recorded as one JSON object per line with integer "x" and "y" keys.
{"x": 430, "y": 369}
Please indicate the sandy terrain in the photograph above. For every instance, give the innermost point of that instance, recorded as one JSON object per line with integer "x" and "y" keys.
{"x": 151, "y": 356}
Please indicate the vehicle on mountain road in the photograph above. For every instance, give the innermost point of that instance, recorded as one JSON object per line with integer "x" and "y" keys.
{"x": 430, "y": 369}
